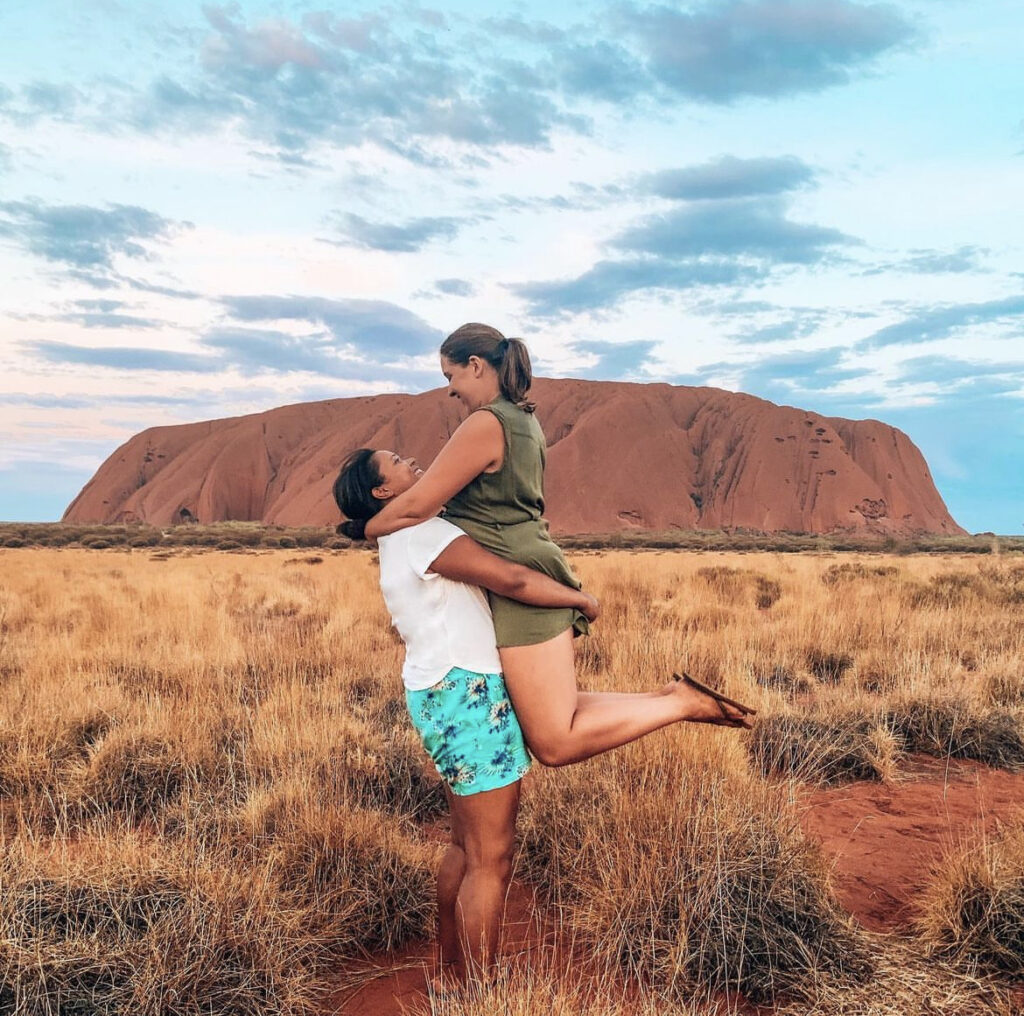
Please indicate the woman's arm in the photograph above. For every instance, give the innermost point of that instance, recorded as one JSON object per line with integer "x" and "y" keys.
{"x": 464, "y": 560}
{"x": 477, "y": 445}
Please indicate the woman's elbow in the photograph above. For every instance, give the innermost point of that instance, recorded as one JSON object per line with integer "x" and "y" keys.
{"x": 513, "y": 583}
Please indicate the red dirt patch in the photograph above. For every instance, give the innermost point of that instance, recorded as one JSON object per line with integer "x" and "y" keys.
{"x": 884, "y": 839}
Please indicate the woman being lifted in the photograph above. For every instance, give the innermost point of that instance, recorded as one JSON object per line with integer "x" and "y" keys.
{"x": 489, "y": 479}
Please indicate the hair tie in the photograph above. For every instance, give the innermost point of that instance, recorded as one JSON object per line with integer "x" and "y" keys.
{"x": 503, "y": 346}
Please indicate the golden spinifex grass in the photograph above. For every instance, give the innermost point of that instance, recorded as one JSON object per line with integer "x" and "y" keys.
{"x": 973, "y": 908}
{"x": 221, "y": 737}
{"x": 676, "y": 866}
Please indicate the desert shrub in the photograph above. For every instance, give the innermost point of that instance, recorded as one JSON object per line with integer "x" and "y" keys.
{"x": 122, "y": 932}
{"x": 1006, "y": 689}
{"x": 135, "y": 774}
{"x": 362, "y": 877}
{"x": 229, "y": 545}
{"x": 379, "y": 766}
{"x": 826, "y": 750}
{"x": 779, "y": 677}
{"x": 828, "y": 667}
{"x": 972, "y": 910}
{"x": 944, "y": 592}
{"x": 766, "y": 592}
{"x": 877, "y": 680}
{"x": 287, "y": 542}
{"x": 850, "y": 570}
{"x": 727, "y": 582}
{"x": 946, "y": 727}
{"x": 561, "y": 989}
{"x": 97, "y": 544}
{"x": 312, "y": 537}
{"x": 13, "y": 542}
{"x": 715, "y": 888}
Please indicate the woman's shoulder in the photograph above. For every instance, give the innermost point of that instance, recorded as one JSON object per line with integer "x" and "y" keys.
{"x": 511, "y": 415}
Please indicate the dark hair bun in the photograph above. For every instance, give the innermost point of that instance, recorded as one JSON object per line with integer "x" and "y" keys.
{"x": 354, "y": 529}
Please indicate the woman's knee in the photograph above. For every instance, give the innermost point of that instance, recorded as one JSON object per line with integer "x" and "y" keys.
{"x": 552, "y": 755}
{"x": 494, "y": 854}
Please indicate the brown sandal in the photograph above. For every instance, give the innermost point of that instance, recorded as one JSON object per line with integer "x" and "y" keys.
{"x": 722, "y": 700}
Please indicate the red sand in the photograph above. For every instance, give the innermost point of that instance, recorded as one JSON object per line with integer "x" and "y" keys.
{"x": 620, "y": 456}
{"x": 882, "y": 839}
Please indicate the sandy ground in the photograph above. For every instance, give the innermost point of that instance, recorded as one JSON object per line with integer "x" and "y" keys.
{"x": 883, "y": 841}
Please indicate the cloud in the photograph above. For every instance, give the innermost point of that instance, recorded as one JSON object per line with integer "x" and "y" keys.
{"x": 794, "y": 326}
{"x": 6, "y": 158}
{"x": 255, "y": 350}
{"x": 721, "y": 52}
{"x": 730, "y": 177}
{"x": 752, "y": 227}
{"x": 455, "y": 287}
{"x": 45, "y": 97}
{"x": 99, "y": 319}
{"x": 934, "y": 262}
{"x": 535, "y": 32}
{"x": 409, "y": 82}
{"x": 609, "y": 281}
{"x": 372, "y": 327}
{"x": 726, "y": 241}
{"x": 939, "y": 322}
{"x": 409, "y": 236}
{"x": 82, "y": 236}
{"x": 616, "y": 361}
{"x": 346, "y": 80}
{"x": 361, "y": 340}
{"x": 951, "y": 373}
{"x": 601, "y": 70}
{"x": 783, "y": 377}
{"x": 38, "y": 99}
{"x": 125, "y": 357}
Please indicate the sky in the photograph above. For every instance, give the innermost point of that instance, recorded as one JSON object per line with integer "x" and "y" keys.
{"x": 213, "y": 209}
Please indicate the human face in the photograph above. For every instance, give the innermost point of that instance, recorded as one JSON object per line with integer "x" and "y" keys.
{"x": 474, "y": 383}
{"x": 397, "y": 475}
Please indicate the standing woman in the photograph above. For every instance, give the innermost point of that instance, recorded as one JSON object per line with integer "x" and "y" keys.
{"x": 432, "y": 576}
{"x": 489, "y": 477}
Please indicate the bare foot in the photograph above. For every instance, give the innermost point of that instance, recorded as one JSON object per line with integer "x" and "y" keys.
{"x": 699, "y": 707}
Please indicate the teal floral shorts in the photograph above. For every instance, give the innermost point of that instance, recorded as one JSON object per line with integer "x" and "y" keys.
{"x": 469, "y": 729}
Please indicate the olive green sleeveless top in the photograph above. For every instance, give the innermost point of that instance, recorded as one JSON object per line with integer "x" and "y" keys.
{"x": 503, "y": 512}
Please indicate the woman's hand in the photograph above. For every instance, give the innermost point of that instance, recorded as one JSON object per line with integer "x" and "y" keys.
{"x": 590, "y": 608}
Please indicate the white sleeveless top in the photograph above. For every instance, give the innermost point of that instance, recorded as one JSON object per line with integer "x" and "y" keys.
{"x": 443, "y": 623}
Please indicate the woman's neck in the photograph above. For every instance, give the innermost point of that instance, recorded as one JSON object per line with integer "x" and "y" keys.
{"x": 487, "y": 400}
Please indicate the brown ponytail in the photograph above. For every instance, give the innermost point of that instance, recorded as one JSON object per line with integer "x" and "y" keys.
{"x": 509, "y": 357}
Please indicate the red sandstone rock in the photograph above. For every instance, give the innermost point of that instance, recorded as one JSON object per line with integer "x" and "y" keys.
{"x": 621, "y": 455}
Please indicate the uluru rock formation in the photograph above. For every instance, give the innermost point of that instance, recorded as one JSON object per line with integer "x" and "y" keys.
{"x": 620, "y": 456}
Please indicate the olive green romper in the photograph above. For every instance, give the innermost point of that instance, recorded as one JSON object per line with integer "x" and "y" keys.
{"x": 502, "y": 512}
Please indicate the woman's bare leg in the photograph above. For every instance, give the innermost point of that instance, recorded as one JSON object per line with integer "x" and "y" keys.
{"x": 488, "y": 827}
{"x": 562, "y": 726}
{"x": 449, "y": 881}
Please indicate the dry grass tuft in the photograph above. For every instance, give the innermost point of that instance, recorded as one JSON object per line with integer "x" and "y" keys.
{"x": 364, "y": 880}
{"x": 718, "y": 889}
{"x": 972, "y": 912}
{"x": 828, "y": 667}
{"x": 952, "y": 728}
{"x": 828, "y": 750}
{"x": 129, "y": 928}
